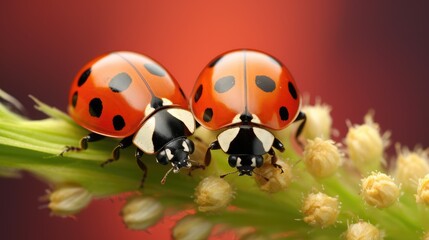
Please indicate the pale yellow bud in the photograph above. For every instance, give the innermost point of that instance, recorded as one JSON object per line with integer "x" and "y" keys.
{"x": 192, "y": 228}
{"x": 319, "y": 121}
{"x": 68, "y": 200}
{"x": 213, "y": 194}
{"x": 379, "y": 190}
{"x": 320, "y": 210}
{"x": 422, "y": 195}
{"x": 321, "y": 157}
{"x": 277, "y": 180}
{"x": 139, "y": 213}
{"x": 410, "y": 166}
{"x": 363, "y": 231}
{"x": 365, "y": 144}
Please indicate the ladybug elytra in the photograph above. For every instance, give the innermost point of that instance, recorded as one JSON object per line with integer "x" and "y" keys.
{"x": 130, "y": 96}
{"x": 246, "y": 94}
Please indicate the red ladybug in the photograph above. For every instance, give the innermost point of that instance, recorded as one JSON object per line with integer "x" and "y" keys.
{"x": 130, "y": 96}
{"x": 247, "y": 94}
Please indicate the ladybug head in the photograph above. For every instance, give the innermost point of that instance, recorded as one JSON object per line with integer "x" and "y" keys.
{"x": 176, "y": 152}
{"x": 246, "y": 163}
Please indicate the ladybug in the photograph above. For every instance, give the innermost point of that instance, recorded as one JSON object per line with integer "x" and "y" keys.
{"x": 246, "y": 94}
{"x": 130, "y": 96}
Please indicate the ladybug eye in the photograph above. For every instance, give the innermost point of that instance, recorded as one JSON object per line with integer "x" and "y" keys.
{"x": 232, "y": 161}
{"x": 257, "y": 161}
{"x": 162, "y": 158}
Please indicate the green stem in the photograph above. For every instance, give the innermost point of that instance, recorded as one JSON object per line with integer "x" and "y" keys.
{"x": 34, "y": 145}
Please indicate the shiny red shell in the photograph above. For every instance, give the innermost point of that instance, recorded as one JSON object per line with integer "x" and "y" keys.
{"x": 247, "y": 84}
{"x": 111, "y": 93}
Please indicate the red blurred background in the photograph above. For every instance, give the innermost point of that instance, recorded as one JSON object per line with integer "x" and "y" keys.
{"x": 355, "y": 55}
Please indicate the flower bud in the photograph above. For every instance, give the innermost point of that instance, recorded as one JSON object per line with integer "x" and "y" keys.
{"x": 320, "y": 209}
{"x": 379, "y": 190}
{"x": 213, "y": 194}
{"x": 422, "y": 195}
{"x": 68, "y": 200}
{"x": 363, "y": 231}
{"x": 321, "y": 157}
{"x": 139, "y": 213}
{"x": 365, "y": 144}
{"x": 277, "y": 180}
{"x": 319, "y": 121}
{"x": 192, "y": 228}
{"x": 410, "y": 166}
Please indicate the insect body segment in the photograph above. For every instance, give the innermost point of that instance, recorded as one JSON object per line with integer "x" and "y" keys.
{"x": 130, "y": 96}
{"x": 246, "y": 94}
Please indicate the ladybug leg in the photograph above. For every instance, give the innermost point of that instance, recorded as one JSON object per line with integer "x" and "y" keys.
{"x": 274, "y": 159}
{"x": 213, "y": 146}
{"x": 83, "y": 144}
{"x": 139, "y": 155}
{"x": 303, "y": 117}
{"x": 278, "y": 145}
{"x": 124, "y": 143}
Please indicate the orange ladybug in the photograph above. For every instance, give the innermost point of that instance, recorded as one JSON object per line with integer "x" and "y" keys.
{"x": 246, "y": 94}
{"x": 130, "y": 96}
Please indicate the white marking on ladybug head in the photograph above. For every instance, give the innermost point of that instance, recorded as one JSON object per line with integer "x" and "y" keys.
{"x": 255, "y": 119}
{"x": 238, "y": 162}
{"x": 226, "y": 137}
{"x": 168, "y": 154}
{"x": 265, "y": 137}
{"x": 143, "y": 137}
{"x": 185, "y": 146}
{"x": 253, "y": 162}
{"x": 185, "y": 116}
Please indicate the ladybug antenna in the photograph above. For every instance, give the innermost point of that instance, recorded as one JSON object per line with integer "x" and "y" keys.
{"x": 166, "y": 174}
{"x": 226, "y": 174}
{"x": 262, "y": 176}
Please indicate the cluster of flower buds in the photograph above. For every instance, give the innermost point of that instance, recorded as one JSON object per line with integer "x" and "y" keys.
{"x": 340, "y": 184}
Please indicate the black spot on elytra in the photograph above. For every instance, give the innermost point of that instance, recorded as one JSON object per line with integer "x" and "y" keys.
{"x": 74, "y": 99}
{"x": 83, "y": 77}
{"x": 120, "y": 82}
{"x": 198, "y": 93}
{"x": 224, "y": 84}
{"x": 155, "y": 69}
{"x": 95, "y": 107}
{"x": 292, "y": 90}
{"x": 213, "y": 63}
{"x": 208, "y": 115}
{"x": 265, "y": 83}
{"x": 284, "y": 113}
{"x": 118, "y": 122}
